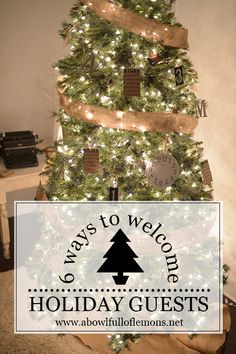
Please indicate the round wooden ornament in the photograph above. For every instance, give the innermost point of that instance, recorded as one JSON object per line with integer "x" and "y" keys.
{"x": 163, "y": 171}
{"x": 154, "y": 58}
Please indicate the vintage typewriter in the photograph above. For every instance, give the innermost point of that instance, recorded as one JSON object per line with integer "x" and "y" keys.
{"x": 19, "y": 149}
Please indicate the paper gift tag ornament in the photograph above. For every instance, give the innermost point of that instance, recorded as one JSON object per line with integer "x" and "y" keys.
{"x": 206, "y": 173}
{"x": 132, "y": 82}
{"x": 91, "y": 161}
{"x": 163, "y": 171}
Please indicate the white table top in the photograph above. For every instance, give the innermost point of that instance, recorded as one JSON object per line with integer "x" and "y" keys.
{"x": 22, "y": 177}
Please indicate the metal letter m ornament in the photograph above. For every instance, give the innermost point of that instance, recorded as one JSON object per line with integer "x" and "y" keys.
{"x": 201, "y": 108}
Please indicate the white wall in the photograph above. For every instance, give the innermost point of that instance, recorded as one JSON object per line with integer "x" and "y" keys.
{"x": 30, "y": 44}
{"x": 212, "y": 32}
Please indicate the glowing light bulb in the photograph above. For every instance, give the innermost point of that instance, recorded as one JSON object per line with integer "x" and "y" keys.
{"x": 104, "y": 99}
{"x": 129, "y": 159}
{"x": 120, "y": 114}
{"x": 90, "y": 115}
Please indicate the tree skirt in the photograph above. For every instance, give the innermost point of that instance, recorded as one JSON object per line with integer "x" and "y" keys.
{"x": 11, "y": 343}
{"x": 165, "y": 343}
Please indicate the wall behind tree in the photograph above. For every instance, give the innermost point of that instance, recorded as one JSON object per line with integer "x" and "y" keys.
{"x": 30, "y": 44}
{"x": 212, "y": 31}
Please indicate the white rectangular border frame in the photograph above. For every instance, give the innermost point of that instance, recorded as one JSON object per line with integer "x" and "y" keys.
{"x": 220, "y": 208}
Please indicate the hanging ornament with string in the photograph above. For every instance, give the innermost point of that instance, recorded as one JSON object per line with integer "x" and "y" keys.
{"x": 206, "y": 173}
{"x": 91, "y": 161}
{"x": 179, "y": 75}
{"x": 154, "y": 58}
{"x": 164, "y": 170}
{"x": 114, "y": 192}
{"x": 132, "y": 82}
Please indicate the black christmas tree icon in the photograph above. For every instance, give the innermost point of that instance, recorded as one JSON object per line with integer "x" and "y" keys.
{"x": 120, "y": 259}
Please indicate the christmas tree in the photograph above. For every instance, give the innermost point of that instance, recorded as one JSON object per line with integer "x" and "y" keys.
{"x": 92, "y": 77}
{"x": 120, "y": 250}
{"x": 128, "y": 109}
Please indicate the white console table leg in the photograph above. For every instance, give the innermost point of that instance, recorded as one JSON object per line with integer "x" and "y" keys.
{"x": 4, "y": 226}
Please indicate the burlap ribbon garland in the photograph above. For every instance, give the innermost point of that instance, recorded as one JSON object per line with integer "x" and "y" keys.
{"x": 134, "y": 121}
{"x": 152, "y": 30}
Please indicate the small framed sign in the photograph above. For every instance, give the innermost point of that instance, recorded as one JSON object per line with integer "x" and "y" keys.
{"x": 179, "y": 75}
{"x": 206, "y": 173}
{"x": 132, "y": 82}
{"x": 91, "y": 161}
{"x": 113, "y": 194}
